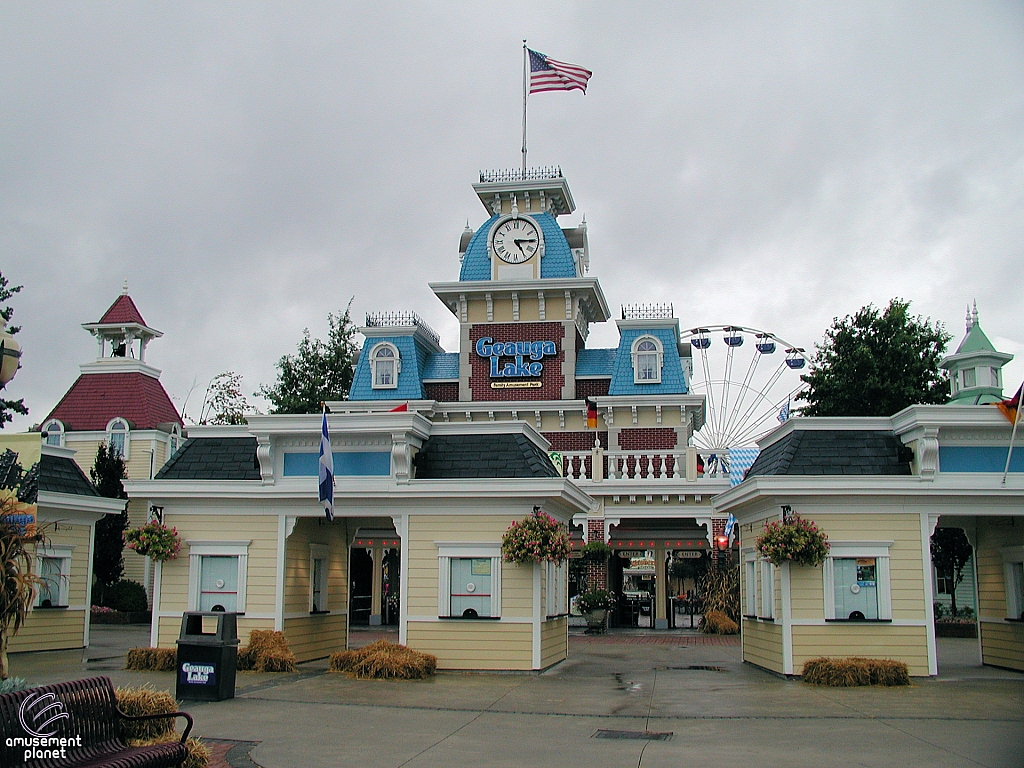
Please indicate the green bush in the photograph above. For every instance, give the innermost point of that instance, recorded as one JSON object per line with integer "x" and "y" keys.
{"x": 126, "y": 595}
{"x": 13, "y": 685}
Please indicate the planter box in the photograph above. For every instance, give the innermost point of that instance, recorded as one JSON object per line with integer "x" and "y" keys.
{"x": 950, "y": 629}
{"x": 121, "y": 617}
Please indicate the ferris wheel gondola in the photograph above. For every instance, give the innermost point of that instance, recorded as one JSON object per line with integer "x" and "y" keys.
{"x": 747, "y": 387}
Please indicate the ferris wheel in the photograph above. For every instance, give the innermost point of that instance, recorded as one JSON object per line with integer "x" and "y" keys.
{"x": 749, "y": 377}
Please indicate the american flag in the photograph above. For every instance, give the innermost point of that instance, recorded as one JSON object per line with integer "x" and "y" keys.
{"x": 550, "y": 75}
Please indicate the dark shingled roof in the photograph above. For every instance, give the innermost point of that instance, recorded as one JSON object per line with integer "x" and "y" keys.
{"x": 834, "y": 452}
{"x": 213, "y": 458}
{"x": 60, "y": 474}
{"x": 466, "y": 456}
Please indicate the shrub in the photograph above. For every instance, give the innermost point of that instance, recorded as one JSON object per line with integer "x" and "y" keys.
{"x": 595, "y": 600}
{"x": 384, "y": 661}
{"x": 147, "y": 701}
{"x": 267, "y": 651}
{"x": 794, "y": 540}
{"x": 536, "y": 539}
{"x": 855, "y": 671}
{"x": 13, "y": 685}
{"x": 151, "y": 659}
{"x": 717, "y": 623}
{"x": 126, "y": 595}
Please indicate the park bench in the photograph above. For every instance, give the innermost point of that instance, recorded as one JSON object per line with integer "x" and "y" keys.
{"x": 83, "y": 722}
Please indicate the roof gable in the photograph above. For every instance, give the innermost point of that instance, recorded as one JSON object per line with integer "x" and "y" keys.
{"x": 123, "y": 310}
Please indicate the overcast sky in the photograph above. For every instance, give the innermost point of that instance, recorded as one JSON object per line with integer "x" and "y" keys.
{"x": 251, "y": 167}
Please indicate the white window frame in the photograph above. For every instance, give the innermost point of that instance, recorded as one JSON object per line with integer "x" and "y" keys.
{"x": 200, "y": 549}
{"x": 750, "y": 576}
{"x": 375, "y": 360}
{"x": 974, "y": 375}
{"x": 323, "y": 553}
{"x": 446, "y": 551}
{"x": 126, "y": 432}
{"x": 63, "y": 555}
{"x": 173, "y": 441}
{"x": 635, "y": 353}
{"x": 54, "y": 427}
{"x": 766, "y": 609}
{"x": 879, "y": 550}
{"x": 556, "y": 590}
{"x": 1013, "y": 558}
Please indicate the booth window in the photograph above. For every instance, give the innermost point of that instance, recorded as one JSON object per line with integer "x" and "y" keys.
{"x": 386, "y": 363}
{"x": 1013, "y": 572}
{"x": 318, "y": 564}
{"x": 648, "y": 357}
{"x": 217, "y": 576}
{"x": 767, "y": 608}
{"x": 469, "y": 580}
{"x": 117, "y": 437}
{"x": 556, "y": 590}
{"x": 856, "y": 580}
{"x": 54, "y": 567}
{"x": 54, "y": 431}
{"x": 750, "y": 584}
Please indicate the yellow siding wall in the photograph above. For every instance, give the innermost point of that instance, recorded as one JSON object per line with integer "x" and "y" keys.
{"x": 261, "y": 530}
{"x": 316, "y": 636}
{"x": 1002, "y": 642}
{"x": 554, "y": 641}
{"x": 762, "y": 644}
{"x": 53, "y": 629}
{"x": 474, "y": 645}
{"x": 466, "y": 644}
{"x": 877, "y": 641}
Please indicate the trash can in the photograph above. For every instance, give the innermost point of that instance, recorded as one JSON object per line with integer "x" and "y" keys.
{"x": 206, "y": 660}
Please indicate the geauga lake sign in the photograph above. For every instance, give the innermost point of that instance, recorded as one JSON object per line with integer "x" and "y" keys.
{"x": 527, "y": 356}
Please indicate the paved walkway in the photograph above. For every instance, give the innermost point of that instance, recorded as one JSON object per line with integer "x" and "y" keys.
{"x": 713, "y": 709}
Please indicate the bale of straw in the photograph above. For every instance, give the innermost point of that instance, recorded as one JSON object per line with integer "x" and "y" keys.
{"x": 244, "y": 661}
{"x": 151, "y": 659}
{"x": 854, "y": 671}
{"x": 144, "y": 700}
{"x": 384, "y": 661}
{"x": 718, "y": 623}
{"x": 267, "y": 652}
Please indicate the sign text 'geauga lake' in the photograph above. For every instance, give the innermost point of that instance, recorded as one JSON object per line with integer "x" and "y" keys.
{"x": 527, "y": 356}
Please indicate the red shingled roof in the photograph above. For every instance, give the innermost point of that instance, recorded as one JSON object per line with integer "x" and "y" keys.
{"x": 123, "y": 311}
{"x": 96, "y": 398}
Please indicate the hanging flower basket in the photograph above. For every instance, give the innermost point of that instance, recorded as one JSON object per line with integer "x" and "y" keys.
{"x": 794, "y": 540}
{"x": 537, "y": 539}
{"x": 154, "y": 540}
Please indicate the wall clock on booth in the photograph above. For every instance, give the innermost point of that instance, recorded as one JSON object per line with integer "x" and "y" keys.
{"x": 516, "y": 239}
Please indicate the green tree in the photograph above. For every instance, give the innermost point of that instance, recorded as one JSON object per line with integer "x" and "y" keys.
{"x": 224, "y": 402}
{"x": 950, "y": 552}
{"x": 7, "y": 407}
{"x": 108, "y": 554}
{"x": 319, "y": 371}
{"x": 876, "y": 363}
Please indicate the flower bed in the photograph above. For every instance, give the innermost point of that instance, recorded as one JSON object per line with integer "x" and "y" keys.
{"x": 102, "y": 615}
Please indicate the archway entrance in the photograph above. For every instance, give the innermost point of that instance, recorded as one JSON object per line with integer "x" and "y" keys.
{"x": 374, "y": 577}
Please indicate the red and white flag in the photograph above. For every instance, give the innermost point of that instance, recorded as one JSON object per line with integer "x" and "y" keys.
{"x": 550, "y": 75}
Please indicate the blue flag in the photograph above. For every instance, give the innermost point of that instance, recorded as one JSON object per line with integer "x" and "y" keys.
{"x": 326, "y": 471}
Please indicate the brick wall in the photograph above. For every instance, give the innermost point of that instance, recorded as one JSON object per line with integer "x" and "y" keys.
{"x": 647, "y": 438}
{"x": 596, "y": 573}
{"x": 592, "y": 388}
{"x": 442, "y": 391}
{"x": 574, "y": 441}
{"x": 551, "y": 378}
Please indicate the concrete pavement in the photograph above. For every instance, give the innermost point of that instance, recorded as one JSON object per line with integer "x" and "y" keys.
{"x": 718, "y": 710}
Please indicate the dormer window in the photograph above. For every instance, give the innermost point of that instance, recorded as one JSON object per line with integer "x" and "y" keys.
{"x": 385, "y": 365}
{"x": 117, "y": 437}
{"x": 175, "y": 441}
{"x": 54, "y": 432}
{"x": 648, "y": 358}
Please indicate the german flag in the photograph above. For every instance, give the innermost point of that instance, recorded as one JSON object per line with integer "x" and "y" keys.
{"x": 1011, "y": 408}
{"x": 591, "y": 414}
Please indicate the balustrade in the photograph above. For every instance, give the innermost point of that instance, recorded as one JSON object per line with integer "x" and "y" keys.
{"x": 645, "y": 465}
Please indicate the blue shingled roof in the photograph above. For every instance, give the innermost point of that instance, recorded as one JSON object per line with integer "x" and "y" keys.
{"x": 595, "y": 362}
{"x": 410, "y": 379}
{"x": 673, "y": 382}
{"x": 557, "y": 261}
{"x": 442, "y": 365}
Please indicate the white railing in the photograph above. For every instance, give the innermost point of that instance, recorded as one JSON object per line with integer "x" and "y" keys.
{"x": 646, "y": 465}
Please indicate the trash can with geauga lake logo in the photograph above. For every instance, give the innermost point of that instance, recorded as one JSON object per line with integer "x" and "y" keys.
{"x": 206, "y": 660}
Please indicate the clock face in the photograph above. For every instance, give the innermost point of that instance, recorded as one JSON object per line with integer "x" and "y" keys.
{"x": 516, "y": 240}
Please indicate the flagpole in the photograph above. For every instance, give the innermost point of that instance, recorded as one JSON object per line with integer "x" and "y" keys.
{"x": 1013, "y": 435}
{"x": 526, "y": 80}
